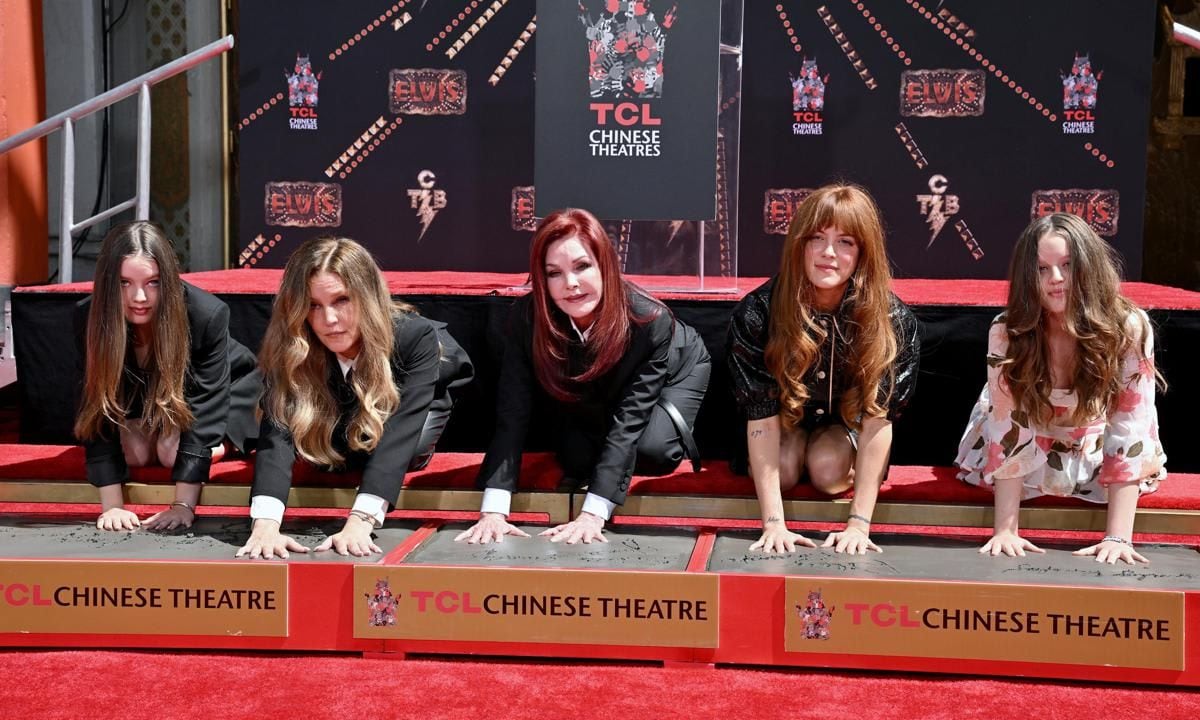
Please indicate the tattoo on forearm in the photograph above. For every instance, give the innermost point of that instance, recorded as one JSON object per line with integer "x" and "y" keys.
{"x": 772, "y": 519}
{"x": 757, "y": 433}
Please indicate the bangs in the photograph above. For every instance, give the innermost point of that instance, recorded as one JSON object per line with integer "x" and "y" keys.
{"x": 848, "y": 212}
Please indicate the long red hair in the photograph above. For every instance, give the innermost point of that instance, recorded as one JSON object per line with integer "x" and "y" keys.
{"x": 609, "y": 336}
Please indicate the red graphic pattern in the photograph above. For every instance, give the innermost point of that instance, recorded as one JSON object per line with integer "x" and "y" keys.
{"x": 517, "y": 46}
{"x": 261, "y": 110}
{"x": 883, "y": 33}
{"x": 839, "y": 36}
{"x": 470, "y": 33}
{"x": 366, "y": 30}
{"x": 357, "y": 151}
{"x": 462, "y": 16}
{"x": 787, "y": 27}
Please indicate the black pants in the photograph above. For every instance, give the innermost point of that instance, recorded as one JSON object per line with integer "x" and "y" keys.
{"x": 660, "y": 449}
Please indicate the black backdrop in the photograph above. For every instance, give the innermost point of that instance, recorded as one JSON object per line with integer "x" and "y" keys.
{"x": 993, "y": 162}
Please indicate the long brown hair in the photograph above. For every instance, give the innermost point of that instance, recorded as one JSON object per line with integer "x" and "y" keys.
{"x": 609, "y": 336}
{"x": 296, "y": 364}
{"x": 1104, "y": 324}
{"x": 164, "y": 406}
{"x": 795, "y": 335}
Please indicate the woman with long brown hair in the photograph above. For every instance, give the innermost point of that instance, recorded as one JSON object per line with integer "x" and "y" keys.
{"x": 824, "y": 357}
{"x": 163, "y": 383}
{"x": 1068, "y": 408}
{"x": 354, "y": 381}
{"x": 622, "y": 378}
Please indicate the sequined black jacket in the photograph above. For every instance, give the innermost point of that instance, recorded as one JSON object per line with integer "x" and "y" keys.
{"x": 756, "y": 389}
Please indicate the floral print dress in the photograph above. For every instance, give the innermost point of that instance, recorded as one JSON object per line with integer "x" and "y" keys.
{"x": 1062, "y": 458}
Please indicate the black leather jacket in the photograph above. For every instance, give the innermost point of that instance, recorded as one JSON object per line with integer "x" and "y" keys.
{"x": 756, "y": 389}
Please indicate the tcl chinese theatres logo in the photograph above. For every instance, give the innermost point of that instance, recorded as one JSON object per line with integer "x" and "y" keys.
{"x": 626, "y": 47}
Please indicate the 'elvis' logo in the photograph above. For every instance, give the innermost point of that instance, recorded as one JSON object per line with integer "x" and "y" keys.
{"x": 808, "y": 99}
{"x": 942, "y": 93}
{"x": 427, "y": 91}
{"x": 303, "y": 204}
{"x": 1080, "y": 93}
{"x": 626, "y": 47}
{"x": 779, "y": 205}
{"x": 1099, "y": 208}
{"x": 522, "y": 208}
{"x": 302, "y": 95}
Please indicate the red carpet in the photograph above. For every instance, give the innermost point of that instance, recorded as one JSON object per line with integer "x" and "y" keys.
{"x": 98, "y": 684}
{"x": 916, "y": 292}
{"x": 539, "y": 471}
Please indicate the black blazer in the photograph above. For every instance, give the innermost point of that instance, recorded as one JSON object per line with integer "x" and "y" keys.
{"x": 221, "y": 374}
{"x": 420, "y": 372}
{"x": 613, "y": 410}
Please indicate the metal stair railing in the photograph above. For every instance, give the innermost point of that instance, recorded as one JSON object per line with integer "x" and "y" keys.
{"x": 1187, "y": 35}
{"x": 66, "y": 120}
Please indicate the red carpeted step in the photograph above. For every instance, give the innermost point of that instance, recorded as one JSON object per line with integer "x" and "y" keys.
{"x": 905, "y": 484}
{"x": 65, "y": 463}
{"x": 540, "y": 472}
{"x": 989, "y": 293}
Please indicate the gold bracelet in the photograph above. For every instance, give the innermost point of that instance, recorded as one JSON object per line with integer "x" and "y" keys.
{"x": 180, "y": 503}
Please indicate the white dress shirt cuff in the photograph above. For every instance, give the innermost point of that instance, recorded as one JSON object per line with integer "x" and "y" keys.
{"x": 598, "y": 506}
{"x": 372, "y": 505}
{"x": 496, "y": 500}
{"x": 265, "y": 507}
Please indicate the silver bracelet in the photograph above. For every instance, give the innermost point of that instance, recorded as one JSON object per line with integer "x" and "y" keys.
{"x": 367, "y": 518}
{"x": 1117, "y": 539}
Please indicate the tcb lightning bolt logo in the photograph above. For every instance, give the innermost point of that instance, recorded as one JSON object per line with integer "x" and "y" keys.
{"x": 938, "y": 206}
{"x": 426, "y": 200}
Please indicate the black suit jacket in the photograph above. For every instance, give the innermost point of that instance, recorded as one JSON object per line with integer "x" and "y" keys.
{"x": 215, "y": 358}
{"x": 612, "y": 411}
{"x": 415, "y": 370}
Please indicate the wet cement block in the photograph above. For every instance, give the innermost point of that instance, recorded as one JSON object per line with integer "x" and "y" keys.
{"x": 209, "y": 538}
{"x": 641, "y": 549}
{"x": 912, "y": 557}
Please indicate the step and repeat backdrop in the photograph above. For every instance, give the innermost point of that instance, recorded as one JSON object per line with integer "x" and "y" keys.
{"x": 418, "y": 127}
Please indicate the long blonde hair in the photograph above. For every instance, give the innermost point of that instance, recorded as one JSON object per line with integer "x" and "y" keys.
{"x": 164, "y": 407}
{"x": 1098, "y": 317}
{"x": 795, "y": 335}
{"x": 296, "y": 365}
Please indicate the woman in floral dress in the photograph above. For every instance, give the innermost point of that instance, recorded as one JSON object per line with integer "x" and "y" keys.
{"x": 1068, "y": 408}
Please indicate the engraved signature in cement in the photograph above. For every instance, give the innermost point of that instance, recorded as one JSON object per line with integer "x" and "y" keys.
{"x": 815, "y": 561}
{"x": 1137, "y": 574}
{"x": 625, "y": 552}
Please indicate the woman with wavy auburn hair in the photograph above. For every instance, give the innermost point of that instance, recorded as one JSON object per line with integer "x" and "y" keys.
{"x": 1068, "y": 408}
{"x": 824, "y": 357}
{"x": 163, "y": 383}
{"x": 354, "y": 380}
{"x": 622, "y": 378}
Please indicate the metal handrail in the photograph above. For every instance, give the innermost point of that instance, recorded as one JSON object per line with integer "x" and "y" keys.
{"x": 66, "y": 120}
{"x": 1187, "y": 35}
